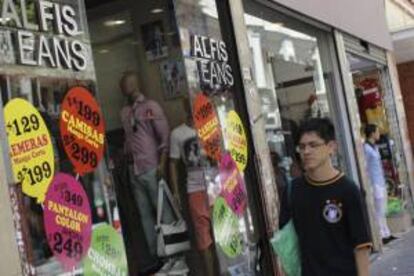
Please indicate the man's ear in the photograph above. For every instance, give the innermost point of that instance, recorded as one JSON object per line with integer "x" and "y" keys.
{"x": 333, "y": 145}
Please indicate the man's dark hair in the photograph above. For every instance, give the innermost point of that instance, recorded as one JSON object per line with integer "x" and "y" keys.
{"x": 370, "y": 129}
{"x": 323, "y": 127}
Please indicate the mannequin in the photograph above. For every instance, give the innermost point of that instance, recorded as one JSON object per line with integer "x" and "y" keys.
{"x": 146, "y": 147}
{"x": 184, "y": 146}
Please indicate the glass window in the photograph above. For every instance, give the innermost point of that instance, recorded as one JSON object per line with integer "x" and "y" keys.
{"x": 151, "y": 97}
{"x": 45, "y": 60}
{"x": 295, "y": 79}
{"x": 210, "y": 78}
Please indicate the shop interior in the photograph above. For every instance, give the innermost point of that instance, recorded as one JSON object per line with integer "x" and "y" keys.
{"x": 148, "y": 43}
{"x": 370, "y": 92}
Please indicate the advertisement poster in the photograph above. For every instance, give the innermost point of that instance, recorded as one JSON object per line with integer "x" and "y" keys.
{"x": 226, "y": 229}
{"x": 233, "y": 188}
{"x": 208, "y": 127}
{"x": 67, "y": 220}
{"x": 173, "y": 78}
{"x": 236, "y": 139}
{"x": 82, "y": 130}
{"x": 153, "y": 36}
{"x": 106, "y": 256}
{"x": 31, "y": 148}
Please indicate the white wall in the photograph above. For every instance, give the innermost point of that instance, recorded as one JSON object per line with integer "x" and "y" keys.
{"x": 362, "y": 18}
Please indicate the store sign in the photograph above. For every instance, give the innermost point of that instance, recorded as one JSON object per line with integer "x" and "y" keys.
{"x": 226, "y": 229}
{"x": 67, "y": 220}
{"x": 236, "y": 141}
{"x": 106, "y": 256}
{"x": 82, "y": 129}
{"x": 207, "y": 125}
{"x": 42, "y": 34}
{"x": 233, "y": 188}
{"x": 214, "y": 71}
{"x": 31, "y": 148}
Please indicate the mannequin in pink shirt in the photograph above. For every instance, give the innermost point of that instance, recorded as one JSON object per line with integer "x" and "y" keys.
{"x": 146, "y": 147}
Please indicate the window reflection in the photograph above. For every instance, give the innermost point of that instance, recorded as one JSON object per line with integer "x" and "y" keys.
{"x": 293, "y": 81}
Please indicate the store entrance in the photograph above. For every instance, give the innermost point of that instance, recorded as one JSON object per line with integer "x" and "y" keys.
{"x": 369, "y": 79}
{"x": 151, "y": 119}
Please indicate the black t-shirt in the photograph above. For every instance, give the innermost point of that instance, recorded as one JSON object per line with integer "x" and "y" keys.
{"x": 330, "y": 223}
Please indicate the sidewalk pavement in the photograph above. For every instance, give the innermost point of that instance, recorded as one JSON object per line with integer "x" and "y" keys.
{"x": 397, "y": 258}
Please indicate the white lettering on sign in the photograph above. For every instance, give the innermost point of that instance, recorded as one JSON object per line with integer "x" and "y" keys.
{"x": 215, "y": 73}
{"x": 53, "y": 45}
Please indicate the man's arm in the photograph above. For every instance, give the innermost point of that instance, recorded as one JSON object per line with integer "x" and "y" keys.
{"x": 162, "y": 131}
{"x": 362, "y": 260}
{"x": 358, "y": 228}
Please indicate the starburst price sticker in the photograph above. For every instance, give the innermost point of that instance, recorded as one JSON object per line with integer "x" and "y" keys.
{"x": 68, "y": 220}
{"x": 208, "y": 127}
{"x": 31, "y": 148}
{"x": 82, "y": 130}
{"x": 236, "y": 139}
{"x": 106, "y": 256}
{"x": 234, "y": 191}
{"x": 226, "y": 229}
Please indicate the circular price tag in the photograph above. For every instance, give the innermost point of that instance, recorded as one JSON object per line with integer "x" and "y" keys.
{"x": 236, "y": 139}
{"x": 82, "y": 129}
{"x": 226, "y": 229}
{"x": 67, "y": 219}
{"x": 207, "y": 125}
{"x": 31, "y": 148}
{"x": 106, "y": 256}
{"x": 233, "y": 185}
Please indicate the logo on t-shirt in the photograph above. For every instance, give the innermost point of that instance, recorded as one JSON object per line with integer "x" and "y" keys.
{"x": 332, "y": 212}
{"x": 192, "y": 153}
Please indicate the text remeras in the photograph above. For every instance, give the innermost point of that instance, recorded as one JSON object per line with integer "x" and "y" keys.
{"x": 48, "y": 42}
{"x": 214, "y": 71}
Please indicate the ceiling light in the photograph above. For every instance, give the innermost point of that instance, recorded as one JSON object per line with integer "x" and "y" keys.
{"x": 112, "y": 23}
{"x": 103, "y": 51}
{"x": 155, "y": 11}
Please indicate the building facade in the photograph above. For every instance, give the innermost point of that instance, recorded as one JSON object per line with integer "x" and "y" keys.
{"x": 218, "y": 91}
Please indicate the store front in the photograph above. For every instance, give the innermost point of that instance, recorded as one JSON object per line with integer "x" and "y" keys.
{"x": 206, "y": 96}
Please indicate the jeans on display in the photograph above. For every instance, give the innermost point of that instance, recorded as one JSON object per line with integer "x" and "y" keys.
{"x": 145, "y": 189}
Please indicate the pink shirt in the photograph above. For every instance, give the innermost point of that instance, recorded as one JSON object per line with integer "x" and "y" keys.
{"x": 146, "y": 132}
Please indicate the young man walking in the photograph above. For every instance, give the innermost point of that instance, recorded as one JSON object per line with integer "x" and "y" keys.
{"x": 326, "y": 209}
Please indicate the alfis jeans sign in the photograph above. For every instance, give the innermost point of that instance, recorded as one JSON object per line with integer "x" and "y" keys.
{"x": 42, "y": 34}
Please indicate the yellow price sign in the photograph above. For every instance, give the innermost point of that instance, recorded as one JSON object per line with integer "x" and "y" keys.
{"x": 236, "y": 141}
{"x": 30, "y": 148}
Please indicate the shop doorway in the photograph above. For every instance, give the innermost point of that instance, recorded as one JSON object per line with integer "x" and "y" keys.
{"x": 376, "y": 106}
{"x": 139, "y": 45}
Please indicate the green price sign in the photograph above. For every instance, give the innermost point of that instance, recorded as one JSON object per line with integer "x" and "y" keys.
{"x": 106, "y": 255}
{"x": 226, "y": 229}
